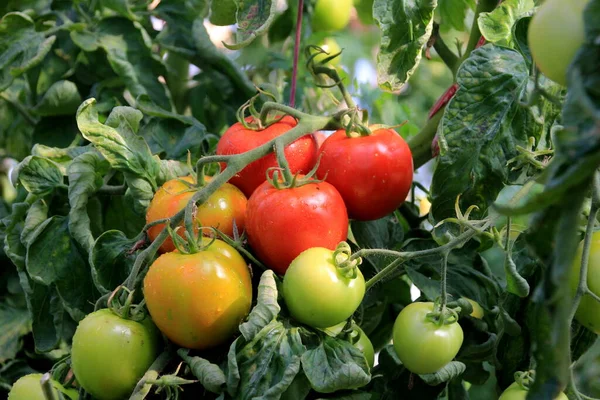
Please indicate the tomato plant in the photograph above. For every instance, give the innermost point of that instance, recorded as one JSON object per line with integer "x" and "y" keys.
{"x": 221, "y": 210}
{"x": 198, "y": 300}
{"x": 555, "y": 35}
{"x": 282, "y": 223}
{"x": 331, "y": 15}
{"x": 29, "y": 387}
{"x": 110, "y": 354}
{"x": 415, "y": 331}
{"x": 317, "y": 293}
{"x": 588, "y": 312}
{"x": 301, "y": 154}
{"x": 331, "y": 47}
{"x": 372, "y": 173}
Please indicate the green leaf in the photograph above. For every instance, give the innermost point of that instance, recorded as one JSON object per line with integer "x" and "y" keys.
{"x": 209, "y": 375}
{"x": 264, "y": 367}
{"x": 120, "y": 216}
{"x": 39, "y": 176}
{"x": 54, "y": 259}
{"x": 450, "y": 371}
{"x": 454, "y": 13}
{"x": 35, "y": 220}
{"x": 124, "y": 150}
{"x": 266, "y": 309}
{"x": 85, "y": 174}
{"x": 405, "y": 29}
{"x": 334, "y": 365}
{"x": 112, "y": 259}
{"x": 21, "y": 46}
{"x": 121, "y": 7}
{"x": 13, "y": 246}
{"x": 62, "y": 98}
{"x": 480, "y": 130}
{"x": 254, "y": 19}
{"x": 173, "y": 140}
{"x": 497, "y": 26}
{"x": 384, "y": 233}
{"x": 15, "y": 323}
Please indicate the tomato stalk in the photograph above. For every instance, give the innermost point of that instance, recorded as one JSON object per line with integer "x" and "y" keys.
{"x": 47, "y": 387}
{"x": 318, "y": 68}
{"x": 143, "y": 386}
{"x": 297, "y": 40}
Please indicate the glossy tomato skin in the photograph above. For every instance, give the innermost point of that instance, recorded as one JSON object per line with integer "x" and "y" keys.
{"x": 477, "y": 309}
{"x": 372, "y": 173}
{"x": 331, "y": 15}
{"x": 198, "y": 300}
{"x": 110, "y": 354}
{"x": 282, "y": 223}
{"x": 422, "y": 345}
{"x": 364, "y": 344}
{"x": 588, "y": 312}
{"x": 516, "y": 392}
{"x": 28, "y": 387}
{"x": 555, "y": 33}
{"x": 226, "y": 205}
{"x": 301, "y": 154}
{"x": 316, "y": 293}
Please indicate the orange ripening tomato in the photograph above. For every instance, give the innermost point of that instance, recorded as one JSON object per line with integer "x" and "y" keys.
{"x": 198, "y": 300}
{"x": 226, "y": 205}
{"x": 301, "y": 154}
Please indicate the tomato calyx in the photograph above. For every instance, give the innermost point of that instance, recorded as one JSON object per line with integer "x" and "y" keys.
{"x": 193, "y": 243}
{"x": 525, "y": 379}
{"x": 313, "y": 56}
{"x": 443, "y": 315}
{"x": 346, "y": 265}
{"x": 255, "y": 122}
{"x": 126, "y": 310}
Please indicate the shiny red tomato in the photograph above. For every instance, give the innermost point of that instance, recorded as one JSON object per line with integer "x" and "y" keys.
{"x": 282, "y": 223}
{"x": 301, "y": 154}
{"x": 372, "y": 173}
{"x": 223, "y": 207}
{"x": 198, "y": 300}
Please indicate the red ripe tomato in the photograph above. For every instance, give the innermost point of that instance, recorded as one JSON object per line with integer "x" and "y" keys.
{"x": 198, "y": 300}
{"x": 372, "y": 173}
{"x": 224, "y": 206}
{"x": 282, "y": 223}
{"x": 301, "y": 154}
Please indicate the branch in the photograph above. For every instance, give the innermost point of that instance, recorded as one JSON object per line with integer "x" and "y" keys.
{"x": 448, "y": 56}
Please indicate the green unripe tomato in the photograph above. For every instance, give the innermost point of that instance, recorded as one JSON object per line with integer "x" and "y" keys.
{"x": 315, "y": 291}
{"x": 29, "y": 387}
{"x": 588, "y": 312}
{"x": 556, "y": 32}
{"x": 110, "y": 354}
{"x": 422, "y": 345}
{"x": 331, "y": 47}
{"x": 222, "y": 12}
{"x": 331, "y": 15}
{"x": 516, "y": 392}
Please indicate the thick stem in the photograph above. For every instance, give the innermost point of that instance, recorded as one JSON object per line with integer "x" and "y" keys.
{"x": 443, "y": 289}
{"x": 448, "y": 56}
{"x": 482, "y": 6}
{"x": 296, "y": 53}
{"x": 113, "y": 190}
{"x": 420, "y": 145}
{"x": 283, "y": 163}
{"x": 47, "y": 388}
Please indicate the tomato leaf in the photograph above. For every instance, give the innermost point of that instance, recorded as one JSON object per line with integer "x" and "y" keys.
{"x": 209, "y": 375}
{"x": 454, "y": 13}
{"x": 479, "y": 131}
{"x": 405, "y": 29}
{"x": 265, "y": 366}
{"x": 15, "y": 322}
{"x": 111, "y": 260}
{"x": 335, "y": 364}
{"x": 39, "y": 175}
{"x": 254, "y": 18}
{"x": 383, "y": 233}
{"x": 21, "y": 46}
{"x": 450, "y": 371}
{"x": 85, "y": 178}
{"x": 497, "y": 26}
{"x": 62, "y": 98}
{"x": 266, "y": 309}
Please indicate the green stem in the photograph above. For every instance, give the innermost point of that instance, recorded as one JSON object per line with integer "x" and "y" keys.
{"x": 270, "y": 106}
{"x": 283, "y": 163}
{"x": 420, "y": 144}
{"x": 113, "y": 190}
{"x": 47, "y": 388}
{"x": 142, "y": 388}
{"x": 448, "y": 56}
{"x": 482, "y": 6}
{"x": 333, "y": 74}
{"x": 444, "y": 292}
{"x": 383, "y": 273}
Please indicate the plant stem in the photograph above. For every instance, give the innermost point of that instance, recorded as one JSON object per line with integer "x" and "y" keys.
{"x": 482, "y": 6}
{"x": 448, "y": 56}
{"x": 283, "y": 163}
{"x": 420, "y": 144}
{"x": 113, "y": 190}
{"x": 47, "y": 388}
{"x": 296, "y": 53}
{"x": 443, "y": 289}
{"x": 142, "y": 388}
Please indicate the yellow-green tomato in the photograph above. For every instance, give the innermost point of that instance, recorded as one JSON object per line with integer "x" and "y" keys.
{"x": 422, "y": 345}
{"x": 517, "y": 392}
{"x": 331, "y": 15}
{"x": 588, "y": 312}
{"x": 331, "y": 47}
{"x": 110, "y": 354}
{"x": 363, "y": 343}
{"x": 556, "y": 32}
{"x": 315, "y": 291}
{"x": 477, "y": 310}
{"x": 29, "y": 387}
